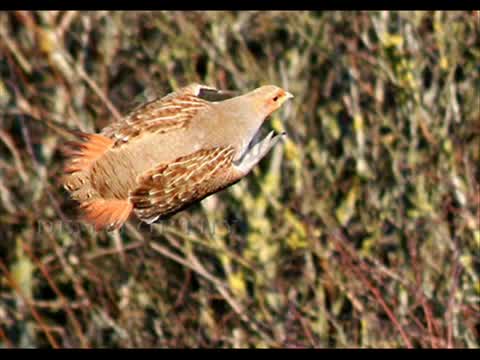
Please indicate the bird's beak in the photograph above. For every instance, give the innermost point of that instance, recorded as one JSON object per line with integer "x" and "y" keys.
{"x": 284, "y": 97}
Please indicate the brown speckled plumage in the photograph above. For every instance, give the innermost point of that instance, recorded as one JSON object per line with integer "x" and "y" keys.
{"x": 168, "y": 154}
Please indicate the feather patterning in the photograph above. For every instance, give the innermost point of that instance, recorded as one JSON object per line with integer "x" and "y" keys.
{"x": 168, "y": 154}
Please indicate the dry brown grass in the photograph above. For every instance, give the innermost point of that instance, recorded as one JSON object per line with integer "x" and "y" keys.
{"x": 362, "y": 231}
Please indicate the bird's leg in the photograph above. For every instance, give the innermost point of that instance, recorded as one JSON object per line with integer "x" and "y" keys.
{"x": 251, "y": 158}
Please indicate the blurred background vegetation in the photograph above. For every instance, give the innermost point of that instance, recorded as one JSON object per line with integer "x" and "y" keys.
{"x": 362, "y": 230}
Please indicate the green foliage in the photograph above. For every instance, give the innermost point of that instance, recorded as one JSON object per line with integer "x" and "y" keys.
{"x": 362, "y": 230}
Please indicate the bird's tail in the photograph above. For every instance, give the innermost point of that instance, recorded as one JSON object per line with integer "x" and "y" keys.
{"x": 80, "y": 155}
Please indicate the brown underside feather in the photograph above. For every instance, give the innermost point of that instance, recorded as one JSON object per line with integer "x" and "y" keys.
{"x": 169, "y": 188}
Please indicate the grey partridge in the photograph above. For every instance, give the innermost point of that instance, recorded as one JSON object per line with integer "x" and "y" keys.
{"x": 169, "y": 153}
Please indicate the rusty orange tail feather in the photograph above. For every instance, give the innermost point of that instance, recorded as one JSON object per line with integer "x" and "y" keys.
{"x": 102, "y": 213}
{"x": 83, "y": 153}
{"x": 106, "y": 214}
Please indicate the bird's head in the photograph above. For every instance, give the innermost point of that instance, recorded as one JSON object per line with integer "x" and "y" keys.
{"x": 269, "y": 98}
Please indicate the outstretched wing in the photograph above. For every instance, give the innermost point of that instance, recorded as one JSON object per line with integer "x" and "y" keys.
{"x": 169, "y": 188}
{"x": 171, "y": 112}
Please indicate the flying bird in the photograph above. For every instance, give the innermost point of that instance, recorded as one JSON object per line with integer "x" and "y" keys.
{"x": 169, "y": 153}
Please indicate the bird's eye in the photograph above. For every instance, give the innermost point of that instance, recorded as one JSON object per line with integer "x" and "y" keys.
{"x": 275, "y": 98}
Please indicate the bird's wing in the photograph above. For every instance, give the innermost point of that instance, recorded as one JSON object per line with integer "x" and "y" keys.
{"x": 168, "y": 113}
{"x": 170, "y": 187}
